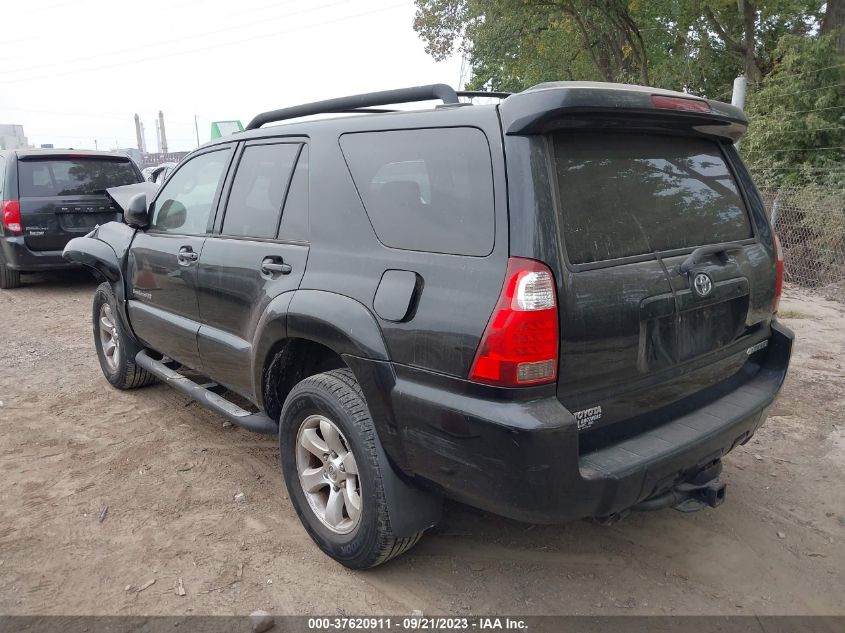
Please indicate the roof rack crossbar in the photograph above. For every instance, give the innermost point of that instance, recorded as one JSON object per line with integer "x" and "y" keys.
{"x": 443, "y": 92}
{"x": 483, "y": 93}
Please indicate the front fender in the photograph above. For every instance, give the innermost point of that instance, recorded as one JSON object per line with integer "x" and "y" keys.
{"x": 95, "y": 254}
{"x": 104, "y": 251}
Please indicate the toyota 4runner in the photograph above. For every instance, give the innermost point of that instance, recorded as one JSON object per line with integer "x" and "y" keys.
{"x": 558, "y": 306}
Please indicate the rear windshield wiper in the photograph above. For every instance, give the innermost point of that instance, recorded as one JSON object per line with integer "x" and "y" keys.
{"x": 712, "y": 249}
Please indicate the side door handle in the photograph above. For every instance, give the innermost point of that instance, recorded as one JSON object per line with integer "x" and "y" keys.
{"x": 274, "y": 265}
{"x": 186, "y": 256}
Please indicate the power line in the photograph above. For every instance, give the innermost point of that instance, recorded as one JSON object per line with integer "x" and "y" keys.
{"x": 808, "y": 149}
{"x": 12, "y": 18}
{"x": 147, "y": 46}
{"x": 41, "y": 36}
{"x": 812, "y": 70}
{"x": 841, "y": 128}
{"x": 796, "y": 168}
{"x": 771, "y": 114}
{"x": 798, "y": 92}
{"x": 171, "y": 54}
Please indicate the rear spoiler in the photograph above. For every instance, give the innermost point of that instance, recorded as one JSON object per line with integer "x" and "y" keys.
{"x": 574, "y": 104}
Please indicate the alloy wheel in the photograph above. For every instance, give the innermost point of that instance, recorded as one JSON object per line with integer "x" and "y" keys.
{"x": 109, "y": 339}
{"x": 328, "y": 474}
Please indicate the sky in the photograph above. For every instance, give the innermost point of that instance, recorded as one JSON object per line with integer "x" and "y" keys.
{"x": 75, "y": 72}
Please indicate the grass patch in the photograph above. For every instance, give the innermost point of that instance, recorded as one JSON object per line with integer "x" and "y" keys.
{"x": 793, "y": 314}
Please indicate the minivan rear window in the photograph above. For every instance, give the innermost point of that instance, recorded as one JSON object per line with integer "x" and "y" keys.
{"x": 426, "y": 190}
{"x": 44, "y": 178}
{"x": 630, "y": 194}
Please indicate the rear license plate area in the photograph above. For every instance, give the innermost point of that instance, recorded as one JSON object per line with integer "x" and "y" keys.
{"x": 677, "y": 338}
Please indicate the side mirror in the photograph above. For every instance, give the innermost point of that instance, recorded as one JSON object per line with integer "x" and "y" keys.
{"x": 136, "y": 214}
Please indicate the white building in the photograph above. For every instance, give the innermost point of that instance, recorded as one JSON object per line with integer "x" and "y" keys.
{"x": 11, "y": 137}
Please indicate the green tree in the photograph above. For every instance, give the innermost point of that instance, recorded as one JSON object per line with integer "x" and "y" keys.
{"x": 797, "y": 114}
{"x": 699, "y": 45}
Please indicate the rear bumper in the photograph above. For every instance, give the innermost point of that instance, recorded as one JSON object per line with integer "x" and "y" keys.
{"x": 17, "y": 256}
{"x": 521, "y": 459}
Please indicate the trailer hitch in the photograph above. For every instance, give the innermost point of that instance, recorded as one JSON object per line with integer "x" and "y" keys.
{"x": 686, "y": 497}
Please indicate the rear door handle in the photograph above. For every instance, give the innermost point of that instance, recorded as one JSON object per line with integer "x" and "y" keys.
{"x": 186, "y": 256}
{"x": 271, "y": 265}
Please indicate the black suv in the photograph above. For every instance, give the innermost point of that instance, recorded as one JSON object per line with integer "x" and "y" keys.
{"x": 49, "y": 197}
{"x": 559, "y": 306}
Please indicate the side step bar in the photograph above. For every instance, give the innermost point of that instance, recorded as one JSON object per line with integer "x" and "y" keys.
{"x": 256, "y": 422}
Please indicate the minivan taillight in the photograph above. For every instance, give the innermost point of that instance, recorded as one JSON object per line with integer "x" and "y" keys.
{"x": 12, "y": 216}
{"x": 778, "y": 275}
{"x": 520, "y": 344}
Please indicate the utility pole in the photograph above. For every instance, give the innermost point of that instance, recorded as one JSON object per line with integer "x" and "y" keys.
{"x": 197, "y": 130}
{"x": 738, "y": 95}
{"x": 163, "y": 134}
{"x": 96, "y": 147}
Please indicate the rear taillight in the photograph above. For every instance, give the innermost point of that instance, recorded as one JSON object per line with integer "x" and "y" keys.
{"x": 778, "y": 275}
{"x": 679, "y": 103}
{"x": 12, "y": 216}
{"x": 520, "y": 344}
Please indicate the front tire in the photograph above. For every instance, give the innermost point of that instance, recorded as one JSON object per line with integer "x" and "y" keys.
{"x": 333, "y": 473}
{"x": 115, "y": 350}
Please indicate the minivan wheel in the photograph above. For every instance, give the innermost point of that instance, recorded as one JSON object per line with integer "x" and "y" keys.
{"x": 332, "y": 471}
{"x": 115, "y": 350}
{"x": 9, "y": 278}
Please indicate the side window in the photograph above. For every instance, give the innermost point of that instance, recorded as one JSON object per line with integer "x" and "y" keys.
{"x": 184, "y": 204}
{"x": 2, "y": 175}
{"x": 426, "y": 190}
{"x": 258, "y": 190}
{"x": 295, "y": 217}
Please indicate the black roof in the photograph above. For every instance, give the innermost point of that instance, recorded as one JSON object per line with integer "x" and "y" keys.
{"x": 526, "y": 112}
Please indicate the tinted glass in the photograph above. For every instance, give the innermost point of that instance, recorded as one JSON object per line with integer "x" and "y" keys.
{"x": 426, "y": 190}
{"x": 255, "y": 201}
{"x": 185, "y": 201}
{"x": 295, "y": 217}
{"x": 72, "y": 177}
{"x": 624, "y": 195}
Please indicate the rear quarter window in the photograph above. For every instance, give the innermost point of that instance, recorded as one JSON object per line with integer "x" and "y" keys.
{"x": 623, "y": 195}
{"x": 426, "y": 190}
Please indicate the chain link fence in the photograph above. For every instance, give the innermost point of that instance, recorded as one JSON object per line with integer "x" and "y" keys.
{"x": 810, "y": 223}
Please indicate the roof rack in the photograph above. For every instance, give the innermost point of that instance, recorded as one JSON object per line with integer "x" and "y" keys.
{"x": 358, "y": 103}
{"x": 482, "y": 93}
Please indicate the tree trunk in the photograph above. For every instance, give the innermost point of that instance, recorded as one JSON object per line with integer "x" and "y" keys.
{"x": 749, "y": 20}
{"x": 834, "y": 21}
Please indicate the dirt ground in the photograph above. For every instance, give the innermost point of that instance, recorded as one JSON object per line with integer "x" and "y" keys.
{"x": 168, "y": 471}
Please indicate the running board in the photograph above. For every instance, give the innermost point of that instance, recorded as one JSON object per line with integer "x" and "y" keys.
{"x": 256, "y": 422}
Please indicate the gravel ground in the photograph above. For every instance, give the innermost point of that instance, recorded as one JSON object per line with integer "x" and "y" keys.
{"x": 110, "y": 501}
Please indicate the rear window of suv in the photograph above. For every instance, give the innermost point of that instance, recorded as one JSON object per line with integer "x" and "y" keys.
{"x": 426, "y": 190}
{"x": 623, "y": 195}
{"x": 44, "y": 178}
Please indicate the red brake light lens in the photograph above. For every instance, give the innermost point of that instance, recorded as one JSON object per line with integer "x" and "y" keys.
{"x": 520, "y": 344}
{"x": 12, "y": 216}
{"x": 778, "y": 275}
{"x": 679, "y": 103}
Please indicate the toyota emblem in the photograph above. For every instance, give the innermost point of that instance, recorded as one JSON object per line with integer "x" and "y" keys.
{"x": 702, "y": 284}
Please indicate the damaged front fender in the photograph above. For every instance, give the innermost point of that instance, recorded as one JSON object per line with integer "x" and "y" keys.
{"x": 94, "y": 254}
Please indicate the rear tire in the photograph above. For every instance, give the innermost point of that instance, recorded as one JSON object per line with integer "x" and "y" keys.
{"x": 9, "y": 278}
{"x": 115, "y": 350}
{"x": 330, "y": 407}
